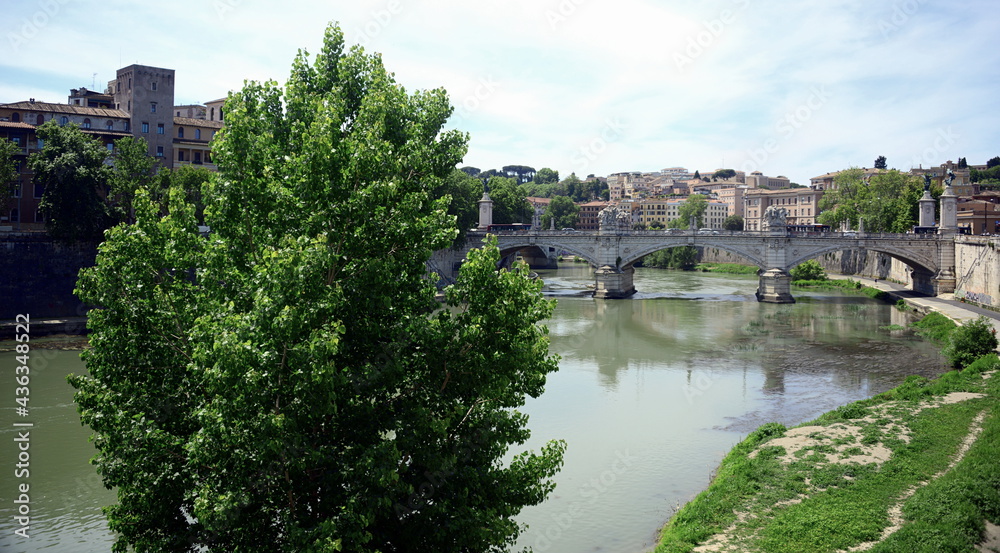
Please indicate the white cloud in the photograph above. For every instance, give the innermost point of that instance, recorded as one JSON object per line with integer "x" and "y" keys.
{"x": 537, "y": 82}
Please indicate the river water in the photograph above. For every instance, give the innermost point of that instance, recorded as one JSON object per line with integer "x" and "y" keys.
{"x": 651, "y": 393}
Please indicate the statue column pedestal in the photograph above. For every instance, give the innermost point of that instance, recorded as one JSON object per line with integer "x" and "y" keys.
{"x": 775, "y": 286}
{"x": 613, "y": 283}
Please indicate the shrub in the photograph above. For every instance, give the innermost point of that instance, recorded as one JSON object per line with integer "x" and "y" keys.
{"x": 972, "y": 340}
{"x": 809, "y": 270}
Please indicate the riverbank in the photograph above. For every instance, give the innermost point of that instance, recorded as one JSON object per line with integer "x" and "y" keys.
{"x": 911, "y": 469}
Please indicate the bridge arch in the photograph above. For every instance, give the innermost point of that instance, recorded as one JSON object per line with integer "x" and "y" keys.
{"x": 914, "y": 259}
{"x": 510, "y": 247}
{"x": 636, "y": 255}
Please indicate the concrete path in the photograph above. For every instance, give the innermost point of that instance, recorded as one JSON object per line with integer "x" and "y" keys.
{"x": 944, "y": 304}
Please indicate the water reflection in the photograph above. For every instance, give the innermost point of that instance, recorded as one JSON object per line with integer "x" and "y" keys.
{"x": 672, "y": 378}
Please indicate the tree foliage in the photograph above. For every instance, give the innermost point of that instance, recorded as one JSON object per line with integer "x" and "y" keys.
{"x": 509, "y": 201}
{"x": 970, "y": 341}
{"x": 724, "y": 174}
{"x": 563, "y": 210}
{"x": 133, "y": 168}
{"x": 694, "y": 207}
{"x": 808, "y": 270}
{"x": 8, "y": 171}
{"x": 887, "y": 202}
{"x": 520, "y": 173}
{"x": 71, "y": 167}
{"x": 733, "y": 222}
{"x": 289, "y": 383}
{"x": 682, "y": 257}
{"x": 547, "y": 176}
{"x": 880, "y": 162}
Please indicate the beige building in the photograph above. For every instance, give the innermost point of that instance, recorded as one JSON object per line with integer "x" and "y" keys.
{"x": 759, "y": 180}
{"x": 802, "y": 205}
{"x": 733, "y": 198}
{"x": 665, "y": 210}
{"x": 191, "y": 141}
{"x": 588, "y": 217}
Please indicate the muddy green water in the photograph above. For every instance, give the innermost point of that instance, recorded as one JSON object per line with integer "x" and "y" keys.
{"x": 651, "y": 393}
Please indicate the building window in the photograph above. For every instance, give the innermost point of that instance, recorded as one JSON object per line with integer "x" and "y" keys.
{"x": 15, "y": 190}
{"x": 39, "y": 217}
{"x": 159, "y": 151}
{"x": 41, "y": 143}
{"x": 86, "y": 123}
{"x": 63, "y": 120}
{"x": 178, "y": 114}
{"x": 180, "y": 132}
{"x": 212, "y": 117}
{"x": 197, "y": 134}
{"x": 16, "y": 140}
{"x": 40, "y": 119}
{"x": 111, "y": 147}
{"x": 152, "y": 107}
{"x": 197, "y": 158}
{"x": 110, "y": 125}
{"x": 15, "y": 118}
{"x": 145, "y": 126}
{"x": 208, "y": 157}
{"x": 180, "y": 155}
{"x": 154, "y": 85}
{"x": 128, "y": 126}
{"x": 15, "y": 216}
{"x": 39, "y": 189}
{"x": 159, "y": 128}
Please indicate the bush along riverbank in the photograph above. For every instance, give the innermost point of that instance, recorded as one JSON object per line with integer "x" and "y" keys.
{"x": 911, "y": 469}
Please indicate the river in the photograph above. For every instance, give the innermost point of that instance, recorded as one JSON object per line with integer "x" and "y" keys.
{"x": 651, "y": 393}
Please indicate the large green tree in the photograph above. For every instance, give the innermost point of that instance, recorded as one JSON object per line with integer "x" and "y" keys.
{"x": 563, "y": 210}
{"x": 132, "y": 169}
{"x": 289, "y": 383}
{"x": 509, "y": 201}
{"x": 695, "y": 207}
{"x": 8, "y": 171}
{"x": 887, "y": 202}
{"x": 71, "y": 166}
{"x": 546, "y": 175}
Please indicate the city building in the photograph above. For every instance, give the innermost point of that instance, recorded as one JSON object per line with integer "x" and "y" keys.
{"x": 139, "y": 102}
{"x": 588, "y": 218}
{"x": 664, "y": 210}
{"x": 759, "y": 180}
{"x": 18, "y": 121}
{"x": 802, "y": 205}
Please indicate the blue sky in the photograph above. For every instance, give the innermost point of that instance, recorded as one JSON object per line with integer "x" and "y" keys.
{"x": 586, "y": 86}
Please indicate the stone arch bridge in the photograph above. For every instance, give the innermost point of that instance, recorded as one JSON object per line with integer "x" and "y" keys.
{"x": 612, "y": 253}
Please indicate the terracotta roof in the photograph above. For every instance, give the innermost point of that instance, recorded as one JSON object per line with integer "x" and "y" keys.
{"x": 49, "y": 107}
{"x": 11, "y": 125}
{"x": 191, "y": 122}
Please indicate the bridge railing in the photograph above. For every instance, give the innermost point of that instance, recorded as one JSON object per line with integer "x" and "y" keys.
{"x": 848, "y": 235}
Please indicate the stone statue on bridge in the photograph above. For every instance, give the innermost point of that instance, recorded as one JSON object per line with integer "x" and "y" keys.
{"x": 775, "y": 218}
{"x": 614, "y": 218}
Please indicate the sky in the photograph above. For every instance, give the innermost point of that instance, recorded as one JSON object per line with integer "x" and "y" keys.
{"x": 787, "y": 88}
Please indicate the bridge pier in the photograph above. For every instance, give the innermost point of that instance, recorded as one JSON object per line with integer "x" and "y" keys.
{"x": 614, "y": 283}
{"x": 775, "y": 286}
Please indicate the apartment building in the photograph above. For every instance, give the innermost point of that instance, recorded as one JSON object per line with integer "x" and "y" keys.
{"x": 802, "y": 205}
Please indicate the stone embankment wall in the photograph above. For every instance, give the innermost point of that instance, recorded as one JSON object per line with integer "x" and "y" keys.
{"x": 38, "y": 275}
{"x": 977, "y": 270}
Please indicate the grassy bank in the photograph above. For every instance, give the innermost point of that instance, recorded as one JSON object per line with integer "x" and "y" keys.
{"x": 880, "y": 472}
{"x": 729, "y": 268}
{"x": 840, "y": 284}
